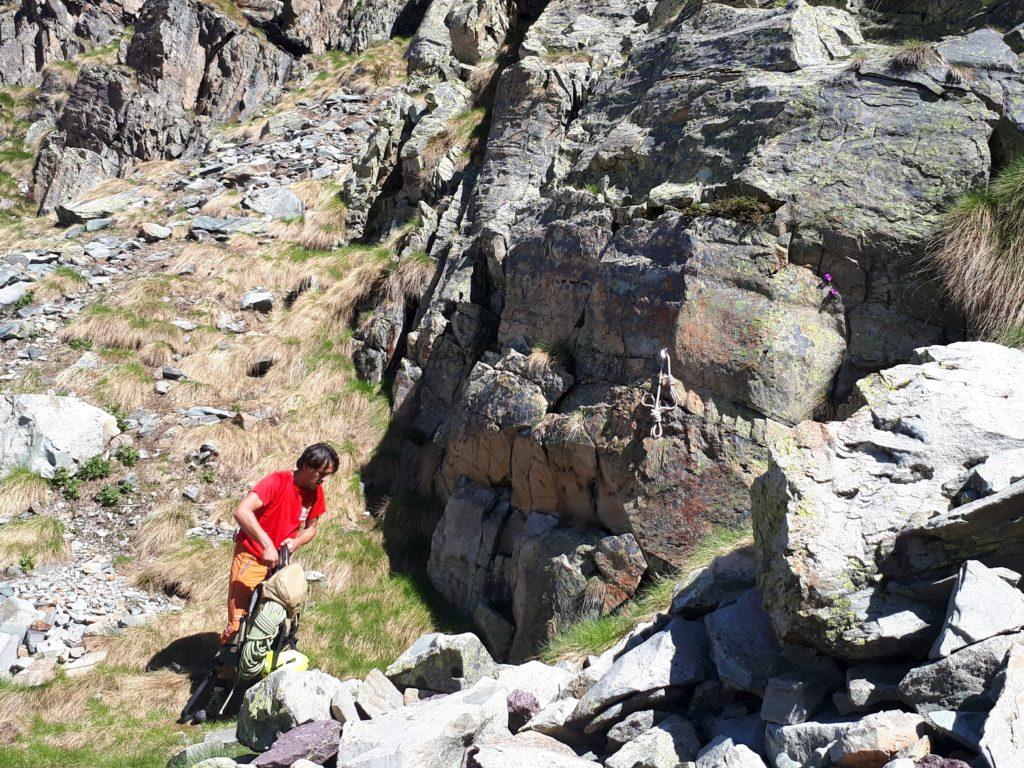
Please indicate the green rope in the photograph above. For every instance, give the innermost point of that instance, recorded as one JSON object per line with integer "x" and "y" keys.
{"x": 258, "y": 642}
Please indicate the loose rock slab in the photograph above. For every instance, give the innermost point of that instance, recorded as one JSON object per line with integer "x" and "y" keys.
{"x": 743, "y": 643}
{"x": 282, "y": 701}
{"x": 428, "y": 734}
{"x": 443, "y": 663}
{"x": 673, "y": 741}
{"x": 676, "y": 656}
{"x": 1002, "y": 743}
{"x": 982, "y": 605}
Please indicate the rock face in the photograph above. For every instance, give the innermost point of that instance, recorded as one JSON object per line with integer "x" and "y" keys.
{"x": 183, "y": 61}
{"x": 34, "y": 34}
{"x": 840, "y": 497}
{"x": 652, "y": 179}
{"x": 43, "y": 432}
{"x": 302, "y": 26}
{"x": 485, "y": 554}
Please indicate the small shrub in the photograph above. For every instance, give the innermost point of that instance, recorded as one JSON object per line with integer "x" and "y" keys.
{"x": 109, "y": 495}
{"x": 208, "y": 476}
{"x": 127, "y": 455}
{"x": 27, "y": 563}
{"x": 80, "y": 345}
{"x": 23, "y": 301}
{"x": 94, "y": 469}
{"x": 66, "y": 483}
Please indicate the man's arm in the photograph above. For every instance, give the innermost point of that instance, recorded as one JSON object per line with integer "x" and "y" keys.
{"x": 302, "y": 537}
{"x": 245, "y": 516}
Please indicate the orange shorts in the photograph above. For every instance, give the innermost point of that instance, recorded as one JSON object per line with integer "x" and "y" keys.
{"x": 246, "y": 574}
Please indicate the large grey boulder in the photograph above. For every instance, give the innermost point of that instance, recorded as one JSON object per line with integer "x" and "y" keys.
{"x": 667, "y": 744}
{"x": 282, "y": 701}
{"x": 427, "y": 734}
{"x": 443, "y": 663}
{"x": 983, "y": 604}
{"x": 723, "y": 753}
{"x": 838, "y": 496}
{"x": 45, "y": 432}
{"x": 275, "y": 202}
{"x": 675, "y": 656}
{"x": 876, "y": 739}
{"x": 743, "y": 643}
{"x": 1002, "y": 743}
{"x": 80, "y": 212}
{"x": 958, "y": 681}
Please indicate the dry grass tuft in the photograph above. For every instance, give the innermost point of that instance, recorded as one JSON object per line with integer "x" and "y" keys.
{"x": 38, "y": 539}
{"x": 223, "y": 205}
{"x": 978, "y": 253}
{"x": 912, "y": 56}
{"x": 125, "y": 385}
{"x": 163, "y": 531}
{"x": 466, "y": 132}
{"x": 20, "y": 490}
{"x": 63, "y": 281}
{"x": 410, "y": 277}
{"x": 196, "y": 571}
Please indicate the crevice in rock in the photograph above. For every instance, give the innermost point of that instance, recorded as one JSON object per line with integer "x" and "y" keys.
{"x": 409, "y": 18}
{"x": 1005, "y": 144}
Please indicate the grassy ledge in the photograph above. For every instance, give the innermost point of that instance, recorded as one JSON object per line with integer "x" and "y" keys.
{"x": 595, "y": 636}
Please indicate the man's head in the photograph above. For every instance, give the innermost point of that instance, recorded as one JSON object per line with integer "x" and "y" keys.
{"x": 318, "y": 462}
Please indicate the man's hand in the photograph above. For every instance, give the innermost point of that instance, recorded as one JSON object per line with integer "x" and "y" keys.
{"x": 270, "y": 557}
{"x": 291, "y": 544}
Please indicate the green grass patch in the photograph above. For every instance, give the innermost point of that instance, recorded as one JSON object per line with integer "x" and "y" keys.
{"x": 70, "y": 273}
{"x": 376, "y": 616}
{"x": 749, "y": 210}
{"x": 595, "y": 636}
{"x": 103, "y": 735}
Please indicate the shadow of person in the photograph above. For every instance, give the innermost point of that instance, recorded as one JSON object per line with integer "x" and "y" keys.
{"x": 191, "y": 655}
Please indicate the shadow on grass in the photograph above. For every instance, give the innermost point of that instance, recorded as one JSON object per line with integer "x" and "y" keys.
{"x": 191, "y": 655}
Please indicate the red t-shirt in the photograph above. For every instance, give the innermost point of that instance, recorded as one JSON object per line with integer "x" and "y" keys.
{"x": 285, "y": 508}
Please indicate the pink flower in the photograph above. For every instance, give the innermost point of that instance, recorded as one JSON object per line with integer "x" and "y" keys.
{"x": 833, "y": 293}
{"x": 828, "y": 277}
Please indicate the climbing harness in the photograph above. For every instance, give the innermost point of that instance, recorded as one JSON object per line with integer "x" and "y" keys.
{"x": 654, "y": 402}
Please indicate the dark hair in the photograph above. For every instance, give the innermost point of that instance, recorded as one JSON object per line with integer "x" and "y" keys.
{"x": 318, "y": 455}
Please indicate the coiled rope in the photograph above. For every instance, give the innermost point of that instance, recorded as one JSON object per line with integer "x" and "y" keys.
{"x": 654, "y": 402}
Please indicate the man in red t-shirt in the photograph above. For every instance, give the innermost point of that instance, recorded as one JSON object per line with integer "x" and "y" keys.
{"x": 281, "y": 509}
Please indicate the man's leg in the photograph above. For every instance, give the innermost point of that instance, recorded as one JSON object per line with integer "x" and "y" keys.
{"x": 246, "y": 574}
